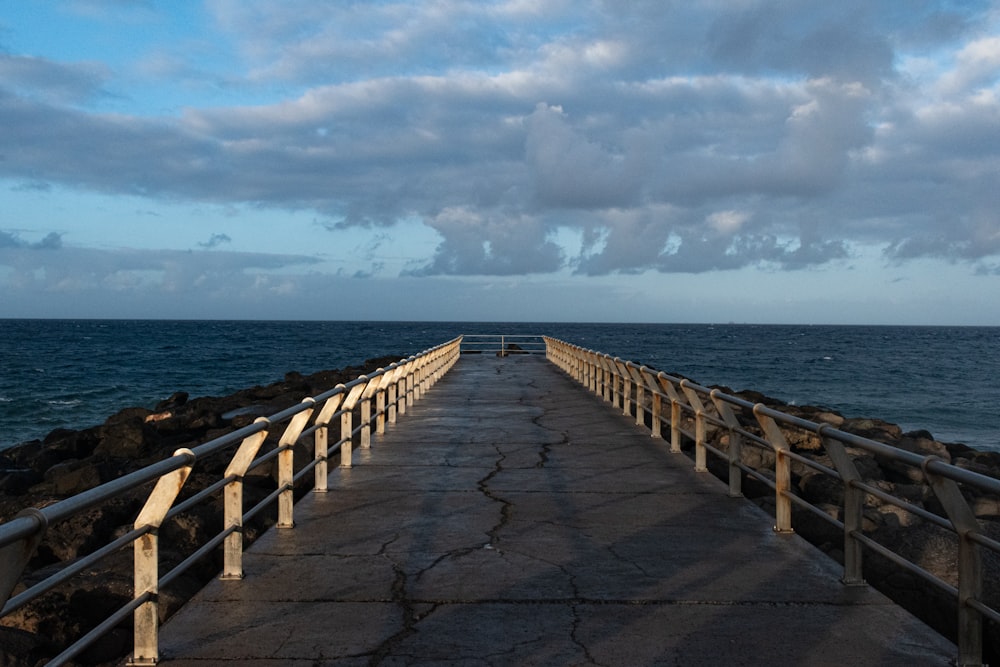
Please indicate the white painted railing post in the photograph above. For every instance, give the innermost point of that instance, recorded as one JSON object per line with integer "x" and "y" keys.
{"x": 380, "y": 395}
{"x": 595, "y": 369}
{"x": 347, "y": 422}
{"x": 393, "y": 391}
{"x": 146, "y": 626}
{"x": 970, "y": 565}
{"x": 232, "y": 566}
{"x": 286, "y": 465}
{"x": 675, "y": 411}
{"x": 366, "y": 413}
{"x": 854, "y": 502}
{"x": 607, "y": 388}
{"x": 409, "y": 382}
{"x": 321, "y": 439}
{"x": 640, "y": 395}
{"x": 700, "y": 454}
{"x": 15, "y": 556}
{"x": 782, "y": 470}
{"x": 735, "y": 444}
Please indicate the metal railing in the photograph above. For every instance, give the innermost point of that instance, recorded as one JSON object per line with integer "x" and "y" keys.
{"x": 503, "y": 344}
{"x": 694, "y": 413}
{"x": 373, "y": 399}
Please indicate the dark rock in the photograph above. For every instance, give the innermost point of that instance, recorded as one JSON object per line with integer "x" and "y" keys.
{"x": 176, "y": 400}
{"x": 72, "y": 476}
{"x": 818, "y": 489}
{"x": 873, "y": 429}
{"x": 40, "y": 472}
{"x": 124, "y": 438}
{"x": 19, "y": 648}
{"x": 17, "y": 482}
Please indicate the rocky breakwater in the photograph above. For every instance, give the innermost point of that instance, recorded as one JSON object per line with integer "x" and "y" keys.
{"x": 932, "y": 548}
{"x": 67, "y": 462}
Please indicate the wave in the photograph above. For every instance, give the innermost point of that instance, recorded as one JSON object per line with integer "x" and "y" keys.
{"x": 73, "y": 402}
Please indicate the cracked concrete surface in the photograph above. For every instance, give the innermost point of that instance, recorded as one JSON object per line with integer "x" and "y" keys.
{"x": 511, "y": 518}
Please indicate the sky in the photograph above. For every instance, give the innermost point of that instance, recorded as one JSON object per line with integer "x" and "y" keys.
{"x": 766, "y": 161}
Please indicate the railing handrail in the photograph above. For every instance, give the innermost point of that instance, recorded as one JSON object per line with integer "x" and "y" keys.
{"x": 403, "y": 382}
{"x": 633, "y": 387}
{"x": 504, "y": 343}
{"x": 615, "y": 380}
{"x": 933, "y": 463}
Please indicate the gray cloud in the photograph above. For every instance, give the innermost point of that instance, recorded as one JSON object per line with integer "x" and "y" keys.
{"x": 51, "y": 81}
{"x": 666, "y": 137}
{"x": 216, "y": 240}
{"x": 51, "y": 267}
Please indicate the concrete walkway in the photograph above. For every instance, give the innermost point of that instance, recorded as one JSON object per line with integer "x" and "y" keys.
{"x": 511, "y": 518}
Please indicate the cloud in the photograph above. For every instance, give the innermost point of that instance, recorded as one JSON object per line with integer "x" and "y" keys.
{"x": 52, "y": 241}
{"x": 216, "y": 240}
{"x": 490, "y": 245}
{"x": 54, "y": 82}
{"x": 50, "y": 266}
{"x": 667, "y": 137}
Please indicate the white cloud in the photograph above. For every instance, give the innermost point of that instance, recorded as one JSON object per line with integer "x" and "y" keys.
{"x": 667, "y": 137}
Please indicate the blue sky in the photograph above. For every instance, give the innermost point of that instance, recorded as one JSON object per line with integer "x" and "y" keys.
{"x": 643, "y": 161}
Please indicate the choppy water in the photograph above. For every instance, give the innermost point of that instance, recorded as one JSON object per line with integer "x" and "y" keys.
{"x": 74, "y": 373}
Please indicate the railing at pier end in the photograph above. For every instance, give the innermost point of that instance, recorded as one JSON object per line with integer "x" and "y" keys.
{"x": 503, "y": 344}
{"x": 726, "y": 426}
{"x": 348, "y": 411}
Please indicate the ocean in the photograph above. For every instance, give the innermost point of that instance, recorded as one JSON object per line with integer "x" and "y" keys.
{"x": 76, "y": 373}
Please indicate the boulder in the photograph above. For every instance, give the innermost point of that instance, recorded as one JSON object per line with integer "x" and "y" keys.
{"x": 41, "y": 472}
{"x": 19, "y": 648}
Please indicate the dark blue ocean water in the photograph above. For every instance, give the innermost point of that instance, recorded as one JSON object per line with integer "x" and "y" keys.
{"x": 75, "y": 373}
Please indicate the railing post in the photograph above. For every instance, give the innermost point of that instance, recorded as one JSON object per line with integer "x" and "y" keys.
{"x": 366, "y": 415}
{"x": 145, "y": 647}
{"x": 321, "y": 440}
{"x": 615, "y": 383}
{"x": 594, "y": 367}
{"x": 16, "y": 556}
{"x": 402, "y": 386}
{"x": 418, "y": 379}
{"x": 347, "y": 422}
{"x": 675, "y": 411}
{"x": 854, "y": 501}
{"x": 393, "y": 383}
{"x": 640, "y": 395}
{"x": 410, "y": 383}
{"x": 735, "y": 444}
{"x": 675, "y": 426}
{"x": 782, "y": 470}
{"x": 347, "y": 439}
{"x": 286, "y": 465}
{"x": 657, "y": 426}
{"x": 700, "y": 454}
{"x": 970, "y": 565}
{"x": 380, "y": 411}
{"x": 607, "y": 384}
{"x": 232, "y": 565}
{"x": 626, "y": 387}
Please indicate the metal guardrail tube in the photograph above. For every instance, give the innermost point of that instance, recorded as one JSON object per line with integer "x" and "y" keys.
{"x": 387, "y": 391}
{"x": 612, "y": 379}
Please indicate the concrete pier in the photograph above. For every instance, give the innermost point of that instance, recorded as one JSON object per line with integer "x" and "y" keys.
{"x": 511, "y": 518}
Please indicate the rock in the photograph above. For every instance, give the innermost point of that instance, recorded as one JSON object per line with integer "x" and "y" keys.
{"x": 820, "y": 489}
{"x": 40, "y": 472}
{"x": 873, "y": 429}
{"x": 72, "y": 476}
{"x": 123, "y": 438}
{"x": 176, "y": 400}
{"x": 17, "y": 482}
{"x": 19, "y": 648}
